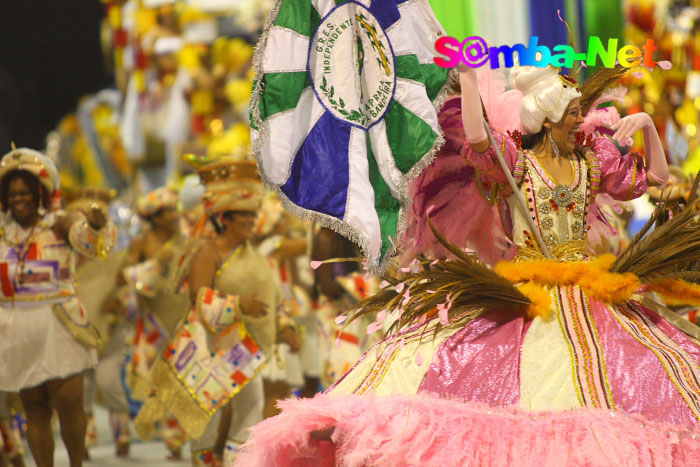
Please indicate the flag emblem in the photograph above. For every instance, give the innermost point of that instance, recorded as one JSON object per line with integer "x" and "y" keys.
{"x": 357, "y": 91}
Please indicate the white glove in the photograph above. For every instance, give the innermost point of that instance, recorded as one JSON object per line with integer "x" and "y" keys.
{"x": 628, "y": 126}
{"x": 472, "y": 115}
{"x": 657, "y": 168}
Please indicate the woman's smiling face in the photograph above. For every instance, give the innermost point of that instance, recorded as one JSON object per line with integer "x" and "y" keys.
{"x": 564, "y": 131}
{"x": 23, "y": 201}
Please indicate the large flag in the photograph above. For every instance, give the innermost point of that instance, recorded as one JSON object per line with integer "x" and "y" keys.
{"x": 344, "y": 112}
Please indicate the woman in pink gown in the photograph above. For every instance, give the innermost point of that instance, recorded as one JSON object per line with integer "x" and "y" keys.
{"x": 587, "y": 372}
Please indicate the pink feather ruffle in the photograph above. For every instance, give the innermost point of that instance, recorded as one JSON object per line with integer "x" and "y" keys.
{"x": 425, "y": 430}
{"x": 447, "y": 190}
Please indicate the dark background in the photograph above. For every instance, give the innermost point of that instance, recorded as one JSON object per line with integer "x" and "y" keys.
{"x": 50, "y": 56}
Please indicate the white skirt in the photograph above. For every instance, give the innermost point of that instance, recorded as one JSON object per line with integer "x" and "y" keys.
{"x": 35, "y": 347}
{"x": 285, "y": 368}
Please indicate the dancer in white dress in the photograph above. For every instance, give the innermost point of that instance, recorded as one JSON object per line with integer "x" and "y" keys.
{"x": 47, "y": 340}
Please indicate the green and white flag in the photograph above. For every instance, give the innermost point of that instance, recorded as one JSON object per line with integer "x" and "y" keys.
{"x": 344, "y": 112}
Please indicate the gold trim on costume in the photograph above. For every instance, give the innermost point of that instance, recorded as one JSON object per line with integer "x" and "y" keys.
{"x": 172, "y": 399}
{"x": 634, "y": 179}
{"x": 36, "y": 298}
{"x": 573, "y": 250}
{"x": 537, "y": 102}
{"x": 87, "y": 335}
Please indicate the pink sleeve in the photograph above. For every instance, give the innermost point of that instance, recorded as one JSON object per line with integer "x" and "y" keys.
{"x": 622, "y": 177}
{"x": 487, "y": 162}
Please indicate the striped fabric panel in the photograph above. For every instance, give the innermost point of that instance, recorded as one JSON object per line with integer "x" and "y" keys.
{"x": 393, "y": 345}
{"x": 590, "y": 373}
{"x": 387, "y": 356}
{"x": 681, "y": 368}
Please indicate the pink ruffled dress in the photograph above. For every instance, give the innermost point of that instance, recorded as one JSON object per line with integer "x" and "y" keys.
{"x": 593, "y": 384}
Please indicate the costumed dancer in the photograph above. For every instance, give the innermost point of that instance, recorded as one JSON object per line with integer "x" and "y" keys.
{"x": 309, "y": 324}
{"x": 218, "y": 352}
{"x": 548, "y": 349}
{"x": 288, "y": 247}
{"x": 607, "y": 217}
{"x": 110, "y": 372}
{"x": 45, "y": 327}
{"x": 92, "y": 274}
{"x": 150, "y": 268}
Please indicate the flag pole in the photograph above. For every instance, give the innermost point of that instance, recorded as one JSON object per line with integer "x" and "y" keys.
{"x": 521, "y": 200}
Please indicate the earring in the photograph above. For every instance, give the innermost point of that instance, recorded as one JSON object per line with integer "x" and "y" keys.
{"x": 554, "y": 144}
{"x": 41, "y": 211}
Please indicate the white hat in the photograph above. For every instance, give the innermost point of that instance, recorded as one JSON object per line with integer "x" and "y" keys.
{"x": 34, "y": 162}
{"x": 546, "y": 94}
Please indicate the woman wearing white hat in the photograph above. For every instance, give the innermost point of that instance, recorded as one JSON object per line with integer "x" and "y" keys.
{"x": 45, "y": 329}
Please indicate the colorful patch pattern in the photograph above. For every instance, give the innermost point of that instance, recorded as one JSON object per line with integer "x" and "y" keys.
{"x": 47, "y": 271}
{"x": 213, "y": 368}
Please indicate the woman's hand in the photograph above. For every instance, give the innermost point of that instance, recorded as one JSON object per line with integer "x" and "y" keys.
{"x": 657, "y": 168}
{"x": 629, "y": 125}
{"x": 251, "y": 306}
{"x": 96, "y": 217}
{"x": 290, "y": 336}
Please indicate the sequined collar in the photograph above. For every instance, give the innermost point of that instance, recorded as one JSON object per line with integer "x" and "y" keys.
{"x": 548, "y": 179}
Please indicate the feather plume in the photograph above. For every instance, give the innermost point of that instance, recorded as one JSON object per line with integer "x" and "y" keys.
{"x": 594, "y": 87}
{"x": 615, "y": 94}
{"x": 458, "y": 285}
{"x": 670, "y": 251}
{"x": 694, "y": 189}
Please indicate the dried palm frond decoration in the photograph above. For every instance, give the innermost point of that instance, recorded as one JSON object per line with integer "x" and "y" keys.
{"x": 594, "y": 87}
{"x": 670, "y": 251}
{"x": 449, "y": 287}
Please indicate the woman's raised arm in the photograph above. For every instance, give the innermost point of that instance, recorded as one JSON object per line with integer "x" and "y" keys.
{"x": 657, "y": 168}
{"x": 472, "y": 116}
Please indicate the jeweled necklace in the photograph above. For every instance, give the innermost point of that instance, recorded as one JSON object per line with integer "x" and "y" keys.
{"x": 22, "y": 251}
